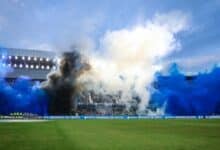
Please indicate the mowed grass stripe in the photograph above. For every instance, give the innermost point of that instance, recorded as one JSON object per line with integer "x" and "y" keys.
{"x": 111, "y": 135}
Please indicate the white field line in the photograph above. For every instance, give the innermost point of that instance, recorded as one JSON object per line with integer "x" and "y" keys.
{"x": 21, "y": 120}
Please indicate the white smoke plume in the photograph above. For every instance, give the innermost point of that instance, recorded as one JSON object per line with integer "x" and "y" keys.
{"x": 130, "y": 57}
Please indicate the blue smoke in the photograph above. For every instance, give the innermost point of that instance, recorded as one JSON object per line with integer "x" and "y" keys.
{"x": 22, "y": 96}
{"x": 181, "y": 95}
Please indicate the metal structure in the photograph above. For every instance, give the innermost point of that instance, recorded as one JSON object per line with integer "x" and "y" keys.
{"x": 35, "y": 64}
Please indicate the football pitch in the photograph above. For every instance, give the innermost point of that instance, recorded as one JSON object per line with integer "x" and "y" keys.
{"x": 173, "y": 134}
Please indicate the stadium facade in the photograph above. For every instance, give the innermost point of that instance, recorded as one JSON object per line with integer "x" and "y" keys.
{"x": 35, "y": 64}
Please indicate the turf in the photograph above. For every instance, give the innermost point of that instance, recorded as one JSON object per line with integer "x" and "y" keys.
{"x": 111, "y": 135}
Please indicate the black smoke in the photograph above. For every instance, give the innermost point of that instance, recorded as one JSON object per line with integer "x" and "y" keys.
{"x": 62, "y": 85}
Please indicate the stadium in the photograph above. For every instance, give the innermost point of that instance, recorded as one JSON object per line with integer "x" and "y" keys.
{"x": 109, "y": 75}
{"x": 35, "y": 64}
{"x": 100, "y": 121}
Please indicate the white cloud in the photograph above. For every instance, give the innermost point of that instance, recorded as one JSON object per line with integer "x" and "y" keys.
{"x": 19, "y": 3}
{"x": 193, "y": 64}
{"x": 174, "y": 21}
{"x": 28, "y": 44}
{"x": 2, "y": 22}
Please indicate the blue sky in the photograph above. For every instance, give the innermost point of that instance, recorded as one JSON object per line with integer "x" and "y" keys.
{"x": 56, "y": 24}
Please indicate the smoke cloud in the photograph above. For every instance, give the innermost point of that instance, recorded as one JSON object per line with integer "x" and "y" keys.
{"x": 124, "y": 64}
{"x": 62, "y": 85}
{"x": 128, "y": 58}
{"x": 21, "y": 96}
{"x": 177, "y": 95}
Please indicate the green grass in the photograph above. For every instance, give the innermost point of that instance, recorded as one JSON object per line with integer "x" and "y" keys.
{"x": 111, "y": 135}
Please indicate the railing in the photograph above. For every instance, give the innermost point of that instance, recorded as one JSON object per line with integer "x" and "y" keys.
{"x": 125, "y": 117}
{"x": 119, "y": 117}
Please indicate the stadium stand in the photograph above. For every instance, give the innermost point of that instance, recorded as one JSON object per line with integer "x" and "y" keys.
{"x": 35, "y": 64}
